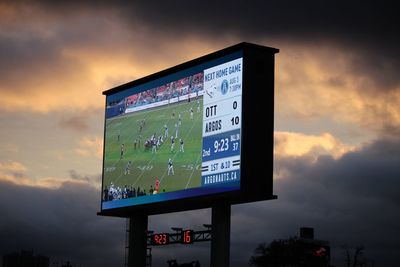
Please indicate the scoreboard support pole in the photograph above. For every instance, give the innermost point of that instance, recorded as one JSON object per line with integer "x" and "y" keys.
{"x": 137, "y": 240}
{"x": 221, "y": 231}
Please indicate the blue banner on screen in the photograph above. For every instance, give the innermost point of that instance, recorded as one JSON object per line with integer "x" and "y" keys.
{"x": 221, "y": 145}
{"x": 176, "y": 137}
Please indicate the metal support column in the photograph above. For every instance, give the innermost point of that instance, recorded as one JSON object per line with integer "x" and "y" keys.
{"x": 137, "y": 240}
{"x": 221, "y": 231}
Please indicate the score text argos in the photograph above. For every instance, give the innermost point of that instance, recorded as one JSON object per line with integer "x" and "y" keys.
{"x": 213, "y": 126}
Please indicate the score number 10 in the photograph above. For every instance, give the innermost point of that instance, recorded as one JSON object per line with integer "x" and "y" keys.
{"x": 235, "y": 120}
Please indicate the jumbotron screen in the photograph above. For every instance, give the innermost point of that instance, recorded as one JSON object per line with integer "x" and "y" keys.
{"x": 175, "y": 137}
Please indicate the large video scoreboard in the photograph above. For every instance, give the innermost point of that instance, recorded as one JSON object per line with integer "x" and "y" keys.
{"x": 196, "y": 133}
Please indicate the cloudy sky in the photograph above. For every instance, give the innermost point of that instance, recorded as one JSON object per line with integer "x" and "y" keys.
{"x": 337, "y": 120}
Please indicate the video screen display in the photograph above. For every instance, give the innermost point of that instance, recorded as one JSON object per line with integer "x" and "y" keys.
{"x": 174, "y": 137}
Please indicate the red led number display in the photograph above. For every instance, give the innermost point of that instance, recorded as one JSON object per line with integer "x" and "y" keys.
{"x": 160, "y": 239}
{"x": 187, "y": 236}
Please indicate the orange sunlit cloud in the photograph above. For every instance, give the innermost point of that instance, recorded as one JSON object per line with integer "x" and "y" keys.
{"x": 12, "y": 167}
{"x": 16, "y": 173}
{"x": 90, "y": 146}
{"x": 289, "y": 144}
{"x": 53, "y": 68}
{"x": 69, "y": 69}
{"x": 311, "y": 84}
{"x": 306, "y": 90}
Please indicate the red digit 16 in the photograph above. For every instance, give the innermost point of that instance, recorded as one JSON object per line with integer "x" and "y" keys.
{"x": 187, "y": 237}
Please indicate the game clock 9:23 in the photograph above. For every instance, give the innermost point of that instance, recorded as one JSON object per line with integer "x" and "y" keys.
{"x": 221, "y": 145}
{"x": 224, "y": 144}
{"x": 159, "y": 239}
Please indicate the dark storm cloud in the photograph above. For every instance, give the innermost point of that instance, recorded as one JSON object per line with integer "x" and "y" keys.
{"x": 77, "y": 123}
{"x": 22, "y": 55}
{"x": 372, "y": 174}
{"x": 84, "y": 177}
{"x": 353, "y": 200}
{"x": 311, "y": 18}
{"x": 39, "y": 48}
{"x": 60, "y": 223}
{"x": 366, "y": 31}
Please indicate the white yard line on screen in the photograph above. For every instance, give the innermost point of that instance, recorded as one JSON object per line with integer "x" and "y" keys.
{"x": 144, "y": 169}
{"x": 194, "y": 168}
{"x": 147, "y": 112}
{"x": 126, "y": 128}
{"x": 176, "y": 153}
{"x": 114, "y": 165}
{"x": 148, "y": 163}
{"x": 123, "y": 171}
{"x": 119, "y": 176}
{"x": 118, "y": 161}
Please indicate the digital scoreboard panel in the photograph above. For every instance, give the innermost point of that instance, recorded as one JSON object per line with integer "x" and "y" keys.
{"x": 185, "y": 237}
{"x": 173, "y": 140}
{"x": 222, "y": 109}
{"x": 159, "y": 239}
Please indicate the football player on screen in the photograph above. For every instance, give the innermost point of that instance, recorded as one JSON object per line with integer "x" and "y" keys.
{"x": 156, "y": 186}
{"x": 122, "y": 151}
{"x": 176, "y": 130}
{"x": 165, "y": 130}
{"x": 172, "y": 143}
{"x": 170, "y": 167}
{"x": 128, "y": 168}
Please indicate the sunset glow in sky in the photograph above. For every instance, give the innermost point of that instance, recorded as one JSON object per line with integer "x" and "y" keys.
{"x": 337, "y": 120}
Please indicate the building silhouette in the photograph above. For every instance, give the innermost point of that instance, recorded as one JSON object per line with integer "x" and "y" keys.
{"x": 25, "y": 259}
{"x": 315, "y": 252}
{"x": 302, "y": 251}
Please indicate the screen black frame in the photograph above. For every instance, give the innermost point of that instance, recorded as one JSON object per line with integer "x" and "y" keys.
{"x": 256, "y": 182}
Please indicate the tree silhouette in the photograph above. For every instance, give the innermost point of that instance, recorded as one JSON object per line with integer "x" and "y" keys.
{"x": 279, "y": 253}
{"x": 292, "y": 252}
{"x": 355, "y": 256}
{"x": 261, "y": 255}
